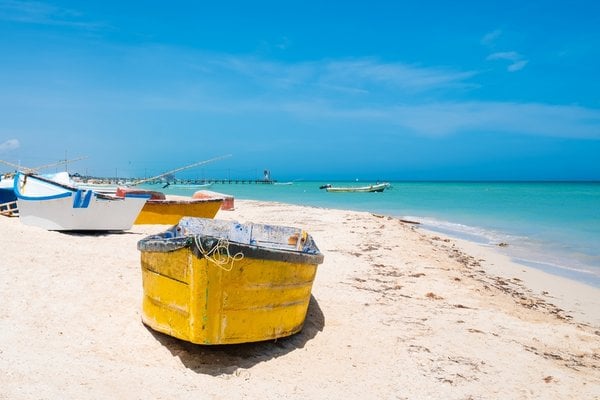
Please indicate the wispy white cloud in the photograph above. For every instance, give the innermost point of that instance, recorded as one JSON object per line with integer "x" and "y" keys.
{"x": 517, "y": 60}
{"x": 309, "y": 94}
{"x": 350, "y": 76}
{"x": 506, "y": 55}
{"x": 284, "y": 43}
{"x": 425, "y": 119}
{"x": 450, "y": 118}
{"x": 517, "y": 65}
{"x": 520, "y": 118}
{"x": 34, "y": 12}
{"x": 11, "y": 144}
{"x": 398, "y": 75}
{"x": 264, "y": 73}
{"x": 490, "y": 38}
{"x": 404, "y": 97}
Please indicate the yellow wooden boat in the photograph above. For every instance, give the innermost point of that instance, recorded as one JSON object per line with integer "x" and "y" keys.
{"x": 173, "y": 208}
{"x": 168, "y": 210}
{"x": 219, "y": 282}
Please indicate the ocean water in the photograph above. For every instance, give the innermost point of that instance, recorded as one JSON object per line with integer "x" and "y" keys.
{"x": 554, "y": 226}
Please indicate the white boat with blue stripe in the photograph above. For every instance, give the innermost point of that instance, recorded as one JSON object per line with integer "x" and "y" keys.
{"x": 58, "y": 206}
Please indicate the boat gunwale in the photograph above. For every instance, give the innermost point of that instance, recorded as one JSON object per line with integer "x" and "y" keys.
{"x": 184, "y": 202}
{"x": 162, "y": 243}
{"x": 69, "y": 190}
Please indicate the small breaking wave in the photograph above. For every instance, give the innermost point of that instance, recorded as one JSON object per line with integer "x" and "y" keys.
{"x": 555, "y": 258}
{"x": 467, "y": 232}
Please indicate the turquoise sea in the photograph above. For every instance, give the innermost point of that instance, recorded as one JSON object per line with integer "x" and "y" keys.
{"x": 554, "y": 226}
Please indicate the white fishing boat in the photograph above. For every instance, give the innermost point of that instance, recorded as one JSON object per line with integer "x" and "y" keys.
{"x": 379, "y": 187}
{"x": 52, "y": 205}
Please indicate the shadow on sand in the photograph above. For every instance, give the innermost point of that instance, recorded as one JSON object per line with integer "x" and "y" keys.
{"x": 226, "y": 359}
{"x": 99, "y": 233}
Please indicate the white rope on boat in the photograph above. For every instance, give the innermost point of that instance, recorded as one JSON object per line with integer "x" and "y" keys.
{"x": 219, "y": 254}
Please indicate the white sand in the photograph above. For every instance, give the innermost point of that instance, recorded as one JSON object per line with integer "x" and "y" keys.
{"x": 396, "y": 313}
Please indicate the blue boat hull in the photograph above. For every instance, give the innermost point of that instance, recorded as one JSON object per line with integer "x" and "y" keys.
{"x": 7, "y": 195}
{"x": 8, "y": 202}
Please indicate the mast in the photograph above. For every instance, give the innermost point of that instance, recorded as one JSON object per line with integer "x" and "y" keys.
{"x": 33, "y": 170}
{"x": 180, "y": 169}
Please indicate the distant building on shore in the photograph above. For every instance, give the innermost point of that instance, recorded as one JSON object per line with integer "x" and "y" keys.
{"x": 267, "y": 175}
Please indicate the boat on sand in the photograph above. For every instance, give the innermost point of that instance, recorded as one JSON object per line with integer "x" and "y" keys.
{"x": 209, "y": 194}
{"x": 58, "y": 206}
{"x": 215, "y": 282}
{"x": 168, "y": 210}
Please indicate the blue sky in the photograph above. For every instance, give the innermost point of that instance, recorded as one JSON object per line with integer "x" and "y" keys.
{"x": 307, "y": 89}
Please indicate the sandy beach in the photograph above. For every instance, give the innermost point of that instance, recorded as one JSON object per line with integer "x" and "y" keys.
{"x": 396, "y": 313}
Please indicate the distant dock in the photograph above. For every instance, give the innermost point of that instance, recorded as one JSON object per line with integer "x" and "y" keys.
{"x": 211, "y": 181}
{"x": 112, "y": 181}
{"x": 171, "y": 180}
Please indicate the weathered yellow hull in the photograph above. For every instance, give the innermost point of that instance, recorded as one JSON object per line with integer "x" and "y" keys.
{"x": 169, "y": 212}
{"x": 193, "y": 298}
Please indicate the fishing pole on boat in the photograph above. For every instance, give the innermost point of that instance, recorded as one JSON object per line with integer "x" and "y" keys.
{"x": 199, "y": 163}
{"x": 34, "y": 170}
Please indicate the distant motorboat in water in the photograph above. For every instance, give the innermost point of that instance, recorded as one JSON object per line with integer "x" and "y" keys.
{"x": 379, "y": 187}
